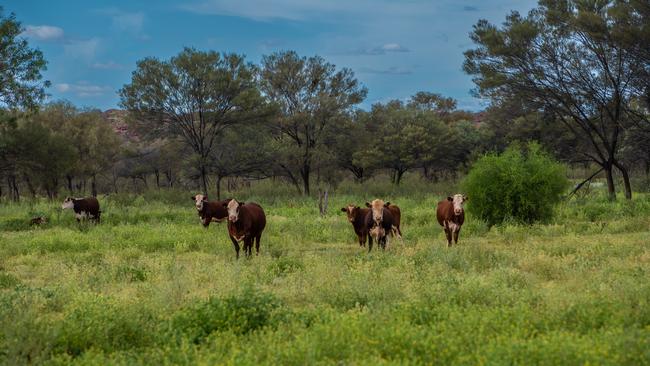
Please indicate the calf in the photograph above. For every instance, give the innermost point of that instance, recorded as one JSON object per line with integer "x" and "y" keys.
{"x": 379, "y": 223}
{"x": 83, "y": 208}
{"x": 357, "y": 217}
{"x": 246, "y": 221}
{"x": 210, "y": 211}
{"x": 451, "y": 216}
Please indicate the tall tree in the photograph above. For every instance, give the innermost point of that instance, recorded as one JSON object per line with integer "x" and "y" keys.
{"x": 195, "y": 95}
{"x": 563, "y": 58}
{"x": 21, "y": 82}
{"x": 313, "y": 97}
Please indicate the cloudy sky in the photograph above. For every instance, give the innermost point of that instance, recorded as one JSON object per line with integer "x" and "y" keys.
{"x": 396, "y": 48}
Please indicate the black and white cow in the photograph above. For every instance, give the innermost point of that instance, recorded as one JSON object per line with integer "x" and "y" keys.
{"x": 84, "y": 208}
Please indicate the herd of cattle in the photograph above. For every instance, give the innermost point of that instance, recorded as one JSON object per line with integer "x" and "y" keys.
{"x": 247, "y": 220}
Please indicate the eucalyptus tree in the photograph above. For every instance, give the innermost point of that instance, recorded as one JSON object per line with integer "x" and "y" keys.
{"x": 566, "y": 57}
{"x": 313, "y": 97}
{"x": 21, "y": 82}
{"x": 195, "y": 95}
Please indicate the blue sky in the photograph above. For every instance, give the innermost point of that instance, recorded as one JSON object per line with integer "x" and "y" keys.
{"x": 396, "y": 48}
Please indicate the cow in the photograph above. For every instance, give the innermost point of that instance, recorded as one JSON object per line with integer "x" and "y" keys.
{"x": 38, "y": 220}
{"x": 83, "y": 208}
{"x": 357, "y": 217}
{"x": 210, "y": 210}
{"x": 379, "y": 223}
{"x": 246, "y": 221}
{"x": 451, "y": 216}
{"x": 397, "y": 215}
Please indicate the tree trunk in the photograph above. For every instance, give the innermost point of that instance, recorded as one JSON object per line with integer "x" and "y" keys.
{"x": 611, "y": 190}
{"x": 156, "y": 172}
{"x": 219, "y": 177}
{"x": 30, "y": 186}
{"x": 68, "y": 177}
{"x": 170, "y": 181}
{"x": 626, "y": 180}
{"x": 305, "y": 173}
{"x": 13, "y": 188}
{"x": 93, "y": 185}
{"x": 399, "y": 175}
{"x": 204, "y": 179}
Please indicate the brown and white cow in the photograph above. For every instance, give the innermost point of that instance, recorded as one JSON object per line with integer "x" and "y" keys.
{"x": 83, "y": 208}
{"x": 246, "y": 221}
{"x": 379, "y": 223}
{"x": 357, "y": 217}
{"x": 210, "y": 210}
{"x": 451, "y": 216}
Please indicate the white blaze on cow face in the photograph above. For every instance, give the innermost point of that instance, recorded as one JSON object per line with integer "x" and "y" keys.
{"x": 458, "y": 200}
{"x": 233, "y": 210}
{"x": 67, "y": 203}
{"x": 350, "y": 212}
{"x": 199, "y": 200}
{"x": 377, "y": 210}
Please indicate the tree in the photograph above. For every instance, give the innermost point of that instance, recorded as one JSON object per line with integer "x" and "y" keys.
{"x": 563, "y": 58}
{"x": 313, "y": 97}
{"x": 21, "y": 82}
{"x": 195, "y": 95}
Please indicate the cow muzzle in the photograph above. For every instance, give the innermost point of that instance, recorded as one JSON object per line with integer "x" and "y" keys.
{"x": 232, "y": 218}
{"x": 458, "y": 211}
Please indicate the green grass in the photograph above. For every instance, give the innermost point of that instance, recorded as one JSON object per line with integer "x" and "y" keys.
{"x": 150, "y": 285}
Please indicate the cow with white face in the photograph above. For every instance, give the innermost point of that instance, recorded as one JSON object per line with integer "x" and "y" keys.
{"x": 379, "y": 223}
{"x": 451, "y": 216}
{"x": 209, "y": 210}
{"x": 246, "y": 221}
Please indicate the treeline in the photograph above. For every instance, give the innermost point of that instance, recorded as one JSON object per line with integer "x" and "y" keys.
{"x": 574, "y": 76}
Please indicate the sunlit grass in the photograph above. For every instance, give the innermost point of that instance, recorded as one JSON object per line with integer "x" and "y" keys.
{"x": 150, "y": 285}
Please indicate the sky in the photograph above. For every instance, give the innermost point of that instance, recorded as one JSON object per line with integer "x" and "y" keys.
{"x": 395, "y": 48}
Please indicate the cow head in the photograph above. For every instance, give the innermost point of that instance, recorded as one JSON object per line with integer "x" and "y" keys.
{"x": 233, "y": 209}
{"x": 458, "y": 200}
{"x": 199, "y": 200}
{"x": 68, "y": 203}
{"x": 377, "y": 207}
{"x": 351, "y": 210}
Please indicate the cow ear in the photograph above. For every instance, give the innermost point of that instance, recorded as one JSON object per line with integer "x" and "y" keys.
{"x": 344, "y": 209}
{"x": 241, "y": 203}
{"x": 450, "y": 199}
{"x": 205, "y": 198}
{"x": 386, "y": 204}
{"x": 193, "y": 198}
{"x": 368, "y": 204}
{"x": 357, "y": 207}
{"x": 465, "y": 198}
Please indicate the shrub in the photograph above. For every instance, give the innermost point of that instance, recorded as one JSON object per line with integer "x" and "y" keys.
{"x": 520, "y": 185}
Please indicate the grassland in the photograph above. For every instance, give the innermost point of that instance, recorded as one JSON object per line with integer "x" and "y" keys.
{"x": 151, "y": 286}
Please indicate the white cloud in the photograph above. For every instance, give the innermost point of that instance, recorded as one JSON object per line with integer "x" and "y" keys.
{"x": 110, "y": 65}
{"x": 83, "y": 89}
{"x": 393, "y": 70}
{"x": 129, "y": 22}
{"x": 379, "y": 50}
{"x": 43, "y": 32}
{"x": 393, "y": 47}
{"x": 81, "y": 48}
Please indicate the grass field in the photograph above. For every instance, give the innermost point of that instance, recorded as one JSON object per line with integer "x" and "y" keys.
{"x": 151, "y": 286}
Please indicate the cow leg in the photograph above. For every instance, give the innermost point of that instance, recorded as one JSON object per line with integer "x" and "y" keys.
{"x": 257, "y": 244}
{"x": 456, "y": 233}
{"x": 249, "y": 246}
{"x": 448, "y": 234}
{"x": 236, "y": 245}
{"x": 369, "y": 243}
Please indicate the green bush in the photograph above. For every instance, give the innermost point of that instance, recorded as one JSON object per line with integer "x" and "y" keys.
{"x": 520, "y": 185}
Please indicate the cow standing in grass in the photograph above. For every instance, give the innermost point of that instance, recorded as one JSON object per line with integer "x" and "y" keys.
{"x": 397, "y": 215}
{"x": 357, "y": 217}
{"x": 451, "y": 216}
{"x": 379, "y": 223}
{"x": 210, "y": 210}
{"x": 246, "y": 221}
{"x": 84, "y": 208}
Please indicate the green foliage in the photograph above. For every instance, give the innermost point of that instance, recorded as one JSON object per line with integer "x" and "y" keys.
{"x": 21, "y": 80}
{"x": 517, "y": 185}
{"x": 243, "y": 313}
